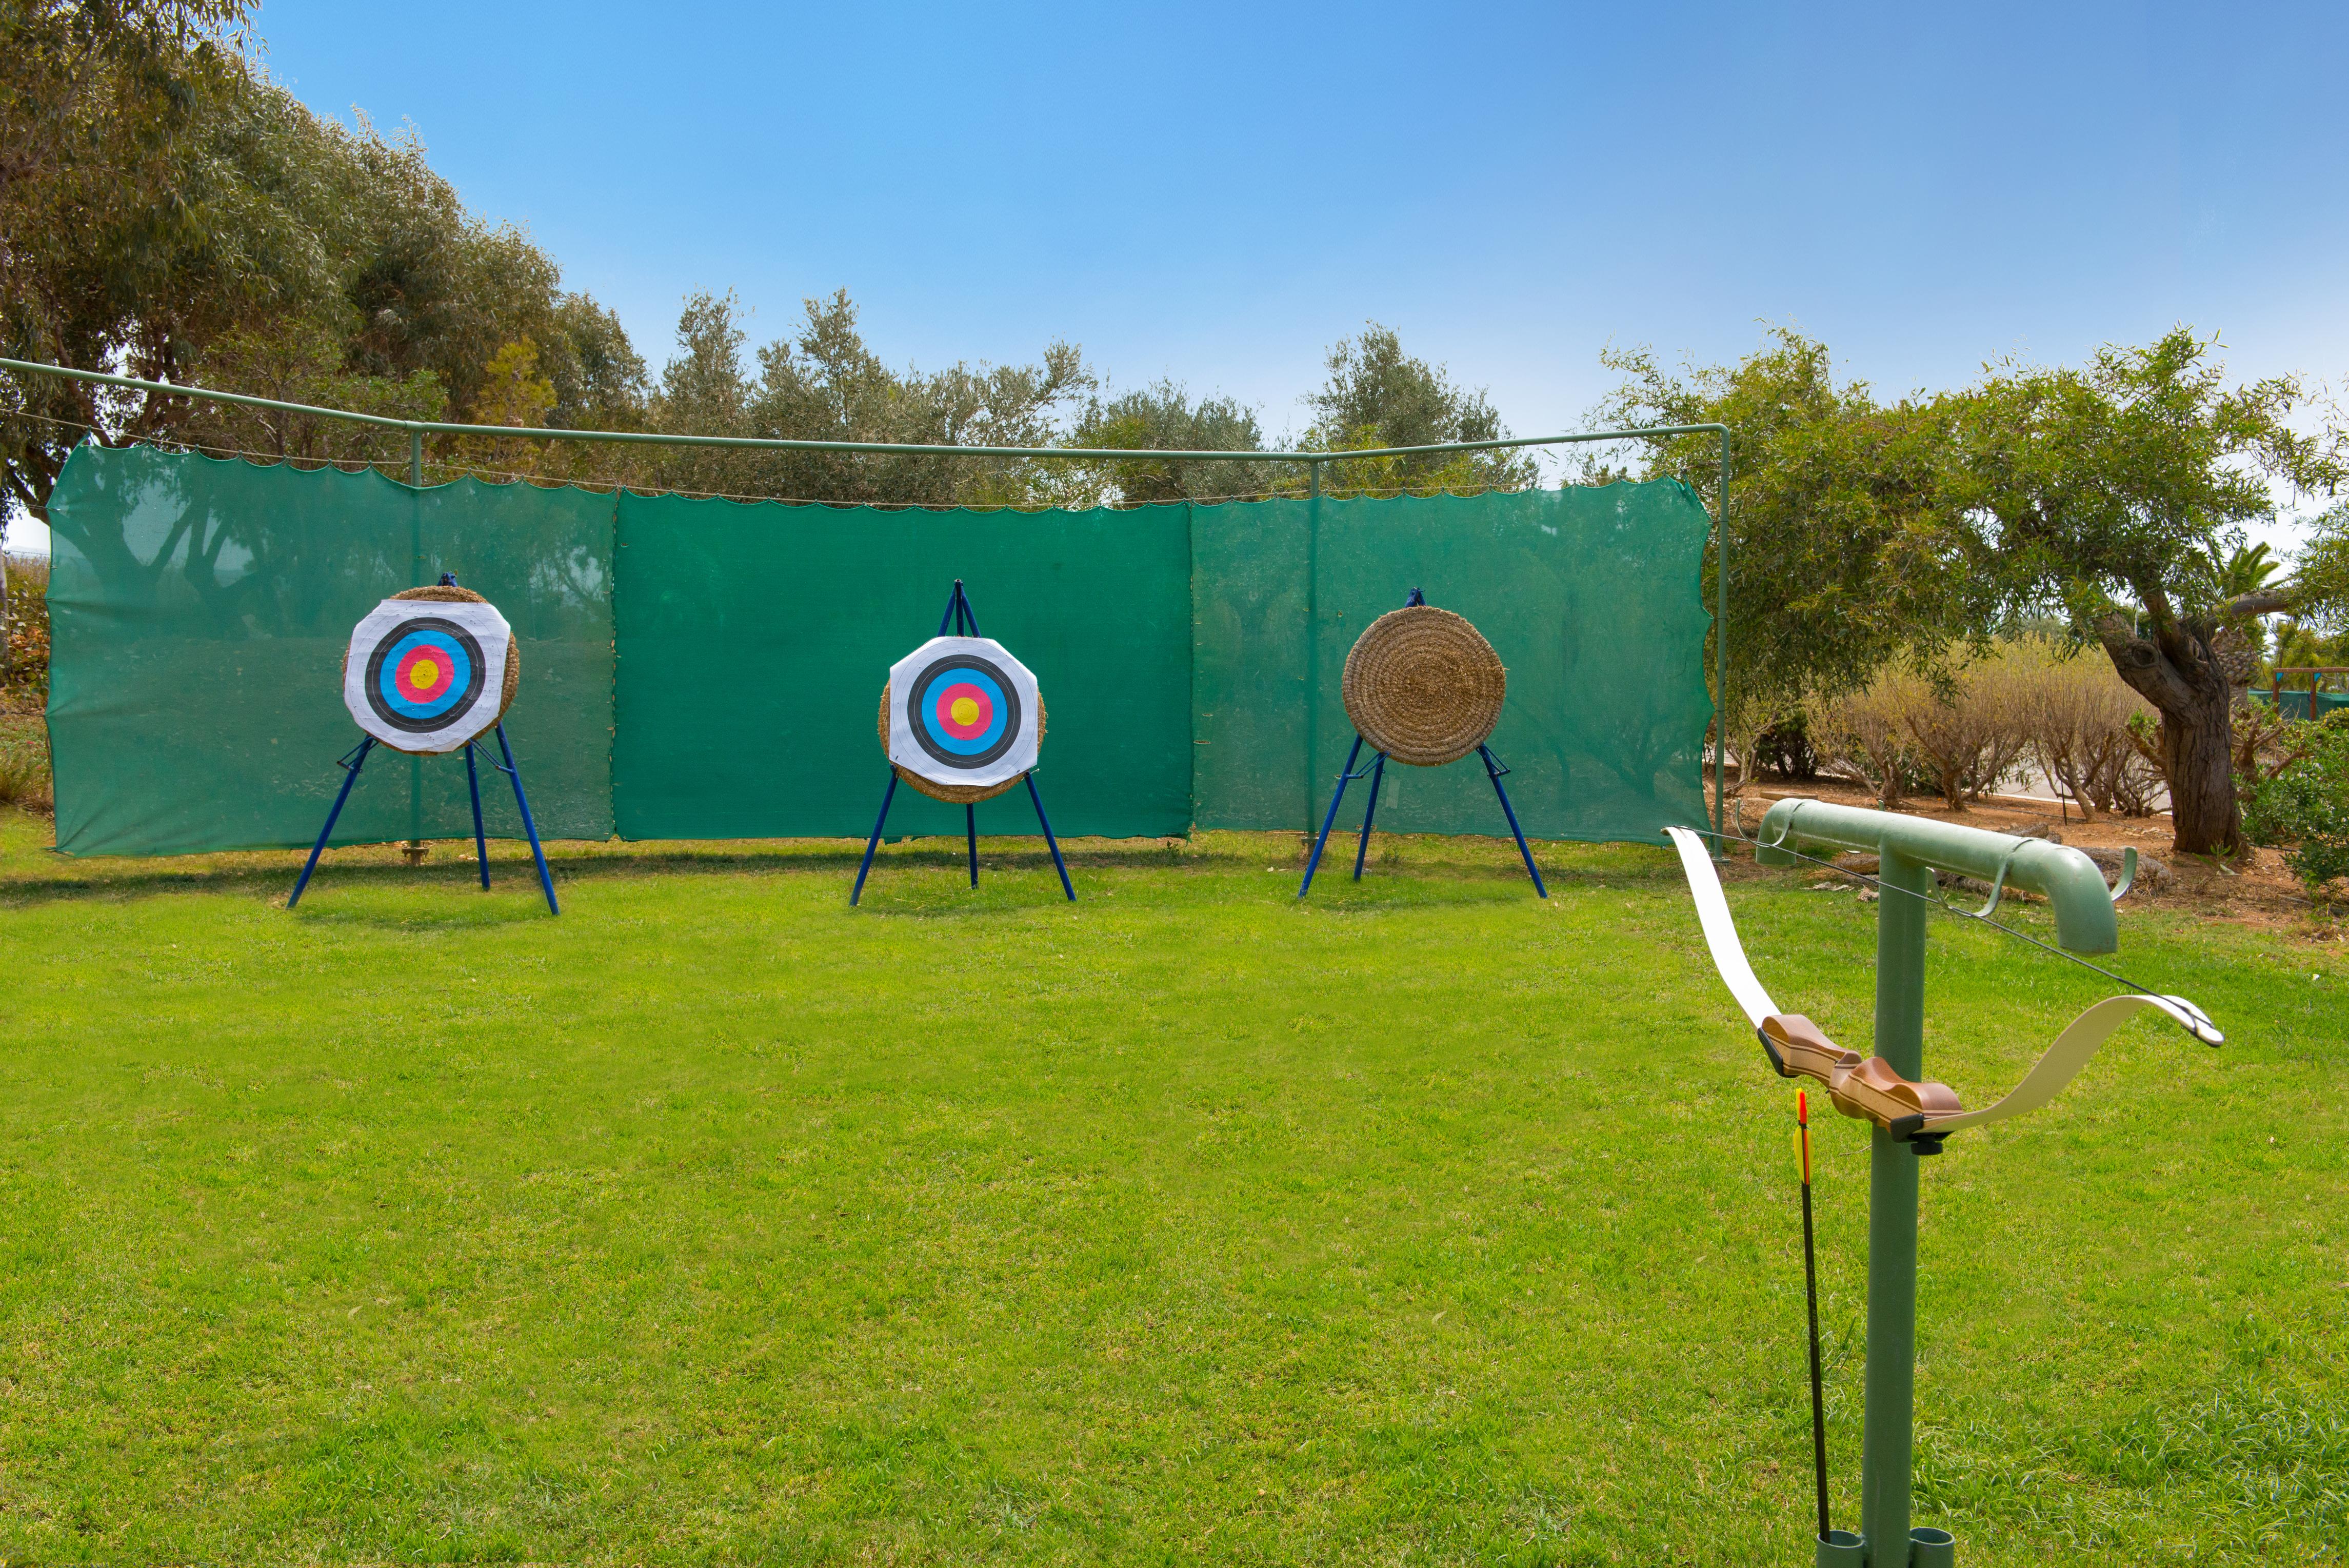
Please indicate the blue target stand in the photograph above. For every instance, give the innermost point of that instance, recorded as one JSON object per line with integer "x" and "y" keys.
{"x": 961, "y": 620}
{"x": 1493, "y": 769}
{"x": 352, "y": 760}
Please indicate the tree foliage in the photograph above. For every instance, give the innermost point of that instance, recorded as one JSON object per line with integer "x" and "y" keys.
{"x": 824, "y": 383}
{"x": 1378, "y": 396}
{"x": 2322, "y": 574}
{"x": 1835, "y": 565}
{"x": 1162, "y": 417}
{"x": 2305, "y": 808}
{"x": 193, "y": 222}
{"x": 2117, "y": 494}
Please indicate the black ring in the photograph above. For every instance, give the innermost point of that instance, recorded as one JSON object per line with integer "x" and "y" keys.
{"x": 960, "y": 761}
{"x": 447, "y": 716}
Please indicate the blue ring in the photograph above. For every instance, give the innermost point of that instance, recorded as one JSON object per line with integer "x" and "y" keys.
{"x": 461, "y": 676}
{"x": 997, "y": 706}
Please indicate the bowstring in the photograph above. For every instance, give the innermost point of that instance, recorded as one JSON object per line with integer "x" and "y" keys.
{"x": 1883, "y": 887}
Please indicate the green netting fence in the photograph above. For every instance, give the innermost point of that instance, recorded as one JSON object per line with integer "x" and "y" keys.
{"x": 699, "y": 669}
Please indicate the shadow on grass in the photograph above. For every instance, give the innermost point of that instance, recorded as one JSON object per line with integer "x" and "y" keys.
{"x": 1401, "y": 871}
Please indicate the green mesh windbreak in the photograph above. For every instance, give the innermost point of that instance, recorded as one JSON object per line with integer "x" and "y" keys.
{"x": 755, "y": 640}
{"x": 200, "y": 609}
{"x": 1189, "y": 657}
{"x": 1590, "y": 597}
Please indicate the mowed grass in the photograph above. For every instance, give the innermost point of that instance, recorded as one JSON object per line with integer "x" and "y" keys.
{"x": 716, "y": 1222}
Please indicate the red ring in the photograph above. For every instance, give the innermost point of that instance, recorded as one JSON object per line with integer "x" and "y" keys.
{"x": 447, "y": 673}
{"x": 942, "y": 710}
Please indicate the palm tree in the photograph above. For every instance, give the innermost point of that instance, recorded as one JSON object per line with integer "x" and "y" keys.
{"x": 2245, "y": 569}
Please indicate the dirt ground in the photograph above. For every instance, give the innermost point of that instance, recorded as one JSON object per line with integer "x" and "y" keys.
{"x": 2259, "y": 891}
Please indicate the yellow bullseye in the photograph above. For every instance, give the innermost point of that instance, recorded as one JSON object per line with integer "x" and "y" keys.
{"x": 423, "y": 674}
{"x": 966, "y": 712}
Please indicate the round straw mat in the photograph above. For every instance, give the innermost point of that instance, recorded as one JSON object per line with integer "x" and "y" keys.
{"x": 953, "y": 794}
{"x": 1424, "y": 686}
{"x": 451, "y": 595}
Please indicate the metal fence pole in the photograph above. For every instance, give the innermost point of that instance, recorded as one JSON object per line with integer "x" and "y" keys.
{"x": 1721, "y": 658}
{"x": 1313, "y": 641}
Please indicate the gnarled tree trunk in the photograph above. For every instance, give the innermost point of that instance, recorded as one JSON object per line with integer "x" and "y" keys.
{"x": 2176, "y": 670}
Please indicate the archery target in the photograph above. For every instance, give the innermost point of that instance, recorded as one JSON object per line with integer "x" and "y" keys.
{"x": 427, "y": 675}
{"x": 963, "y": 712}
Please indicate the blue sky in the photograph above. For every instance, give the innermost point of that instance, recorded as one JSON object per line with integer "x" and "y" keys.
{"x": 1216, "y": 193}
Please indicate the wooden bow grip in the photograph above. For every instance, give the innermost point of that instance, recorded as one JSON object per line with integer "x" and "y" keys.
{"x": 1864, "y": 1088}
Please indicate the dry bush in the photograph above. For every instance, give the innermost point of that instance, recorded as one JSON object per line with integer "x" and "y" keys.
{"x": 1957, "y": 734}
{"x": 1970, "y": 729}
{"x": 1863, "y": 734}
{"x": 2079, "y": 715}
{"x": 24, "y": 637}
{"x": 1756, "y": 716}
{"x": 25, "y": 762}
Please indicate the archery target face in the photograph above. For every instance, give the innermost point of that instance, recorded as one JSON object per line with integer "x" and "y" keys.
{"x": 962, "y": 711}
{"x": 426, "y": 676}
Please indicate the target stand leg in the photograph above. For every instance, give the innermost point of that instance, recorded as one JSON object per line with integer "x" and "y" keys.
{"x": 1345, "y": 775}
{"x": 1049, "y": 842}
{"x": 350, "y": 763}
{"x": 1378, "y": 777}
{"x": 1494, "y": 770}
{"x": 959, "y": 614}
{"x": 874, "y": 842}
{"x": 970, "y": 831}
{"x": 480, "y": 841}
{"x": 545, "y": 877}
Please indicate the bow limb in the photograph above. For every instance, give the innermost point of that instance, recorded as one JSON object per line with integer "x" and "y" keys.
{"x": 2070, "y": 1052}
{"x": 1720, "y": 931}
{"x": 1866, "y": 1087}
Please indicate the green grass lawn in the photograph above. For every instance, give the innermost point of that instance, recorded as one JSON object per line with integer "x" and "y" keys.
{"x": 1428, "y": 1223}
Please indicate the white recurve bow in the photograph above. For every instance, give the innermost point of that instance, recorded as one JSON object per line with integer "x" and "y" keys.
{"x": 2057, "y": 1068}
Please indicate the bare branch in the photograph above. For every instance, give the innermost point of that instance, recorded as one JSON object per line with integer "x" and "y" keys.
{"x": 2266, "y": 601}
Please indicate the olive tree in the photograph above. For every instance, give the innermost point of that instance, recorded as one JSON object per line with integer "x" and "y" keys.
{"x": 2114, "y": 496}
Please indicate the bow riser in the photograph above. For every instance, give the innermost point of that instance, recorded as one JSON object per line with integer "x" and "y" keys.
{"x": 1864, "y": 1088}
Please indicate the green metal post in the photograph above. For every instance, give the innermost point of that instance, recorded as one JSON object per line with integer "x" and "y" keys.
{"x": 1909, "y": 850}
{"x": 1721, "y": 658}
{"x": 1312, "y": 641}
{"x": 416, "y": 459}
{"x": 1892, "y": 1222}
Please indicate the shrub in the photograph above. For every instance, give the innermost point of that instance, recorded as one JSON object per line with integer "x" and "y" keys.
{"x": 25, "y": 762}
{"x": 2305, "y": 807}
{"x": 2080, "y": 718}
{"x": 24, "y": 668}
{"x": 1785, "y": 749}
{"x": 1957, "y": 733}
{"x": 1860, "y": 734}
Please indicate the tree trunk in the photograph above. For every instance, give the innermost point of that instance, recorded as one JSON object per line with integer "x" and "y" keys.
{"x": 2175, "y": 669}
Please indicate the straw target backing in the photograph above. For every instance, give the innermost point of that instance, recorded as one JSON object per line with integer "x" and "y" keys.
{"x": 1424, "y": 686}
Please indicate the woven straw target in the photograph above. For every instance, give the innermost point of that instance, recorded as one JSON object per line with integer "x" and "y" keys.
{"x": 444, "y": 593}
{"x": 1424, "y": 686}
{"x": 953, "y": 794}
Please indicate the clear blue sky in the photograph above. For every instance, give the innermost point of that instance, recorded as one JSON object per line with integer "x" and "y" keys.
{"x": 1216, "y": 193}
